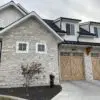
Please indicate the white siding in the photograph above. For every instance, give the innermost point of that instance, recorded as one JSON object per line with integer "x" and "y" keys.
{"x": 9, "y": 15}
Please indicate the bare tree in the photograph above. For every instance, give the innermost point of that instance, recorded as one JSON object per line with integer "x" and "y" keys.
{"x": 28, "y": 71}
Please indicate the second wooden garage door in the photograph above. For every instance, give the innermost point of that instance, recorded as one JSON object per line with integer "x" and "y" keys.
{"x": 96, "y": 65}
{"x": 72, "y": 66}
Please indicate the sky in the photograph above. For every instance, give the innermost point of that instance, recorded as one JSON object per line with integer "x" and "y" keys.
{"x": 86, "y": 10}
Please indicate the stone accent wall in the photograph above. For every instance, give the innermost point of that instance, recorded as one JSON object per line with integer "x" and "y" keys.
{"x": 88, "y": 67}
{"x": 30, "y": 31}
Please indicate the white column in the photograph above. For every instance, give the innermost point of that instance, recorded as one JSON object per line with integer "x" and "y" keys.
{"x": 88, "y": 67}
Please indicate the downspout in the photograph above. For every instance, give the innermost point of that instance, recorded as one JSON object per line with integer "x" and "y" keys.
{"x": 89, "y": 26}
{"x": 78, "y": 35}
{"x": 1, "y": 49}
{"x": 59, "y": 71}
{"x": 59, "y": 60}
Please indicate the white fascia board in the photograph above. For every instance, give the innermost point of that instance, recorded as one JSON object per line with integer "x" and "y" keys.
{"x": 21, "y": 7}
{"x": 18, "y": 9}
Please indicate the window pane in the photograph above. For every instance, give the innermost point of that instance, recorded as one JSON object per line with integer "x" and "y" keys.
{"x": 20, "y": 46}
{"x": 72, "y": 29}
{"x": 68, "y": 29}
{"x": 96, "y": 31}
{"x": 24, "y": 47}
{"x": 41, "y": 47}
{"x": 95, "y": 54}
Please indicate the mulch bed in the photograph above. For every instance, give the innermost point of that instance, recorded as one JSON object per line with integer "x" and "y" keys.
{"x": 34, "y": 93}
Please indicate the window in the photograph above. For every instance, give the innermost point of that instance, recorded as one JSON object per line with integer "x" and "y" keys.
{"x": 96, "y": 31}
{"x": 41, "y": 48}
{"x": 22, "y": 47}
{"x": 70, "y": 29}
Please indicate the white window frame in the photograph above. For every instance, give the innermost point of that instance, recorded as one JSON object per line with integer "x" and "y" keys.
{"x": 41, "y": 52}
{"x": 17, "y": 47}
{"x": 70, "y": 28}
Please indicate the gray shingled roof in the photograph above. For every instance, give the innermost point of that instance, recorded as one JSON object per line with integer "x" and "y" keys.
{"x": 53, "y": 26}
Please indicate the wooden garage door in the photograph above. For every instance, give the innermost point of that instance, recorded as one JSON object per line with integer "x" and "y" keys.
{"x": 72, "y": 66}
{"x": 65, "y": 61}
{"x": 96, "y": 65}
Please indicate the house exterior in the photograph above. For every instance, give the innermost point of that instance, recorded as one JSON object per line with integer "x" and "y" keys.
{"x": 64, "y": 47}
{"x": 26, "y": 40}
{"x": 79, "y": 50}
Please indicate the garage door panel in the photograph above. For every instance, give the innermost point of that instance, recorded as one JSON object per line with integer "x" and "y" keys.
{"x": 77, "y": 68}
{"x": 96, "y": 66}
{"x": 72, "y": 66}
{"x": 65, "y": 68}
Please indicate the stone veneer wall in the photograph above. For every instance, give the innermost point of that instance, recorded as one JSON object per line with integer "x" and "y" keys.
{"x": 88, "y": 67}
{"x": 30, "y": 31}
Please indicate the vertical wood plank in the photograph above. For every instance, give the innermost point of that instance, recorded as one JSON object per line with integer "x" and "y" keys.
{"x": 96, "y": 68}
{"x": 77, "y": 68}
{"x": 65, "y": 67}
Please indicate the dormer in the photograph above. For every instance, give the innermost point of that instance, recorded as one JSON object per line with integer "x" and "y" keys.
{"x": 95, "y": 28}
{"x": 90, "y": 32}
{"x": 69, "y": 25}
{"x": 89, "y": 29}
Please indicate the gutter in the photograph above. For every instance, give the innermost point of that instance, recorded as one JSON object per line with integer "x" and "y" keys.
{"x": 79, "y": 43}
{"x": 89, "y": 26}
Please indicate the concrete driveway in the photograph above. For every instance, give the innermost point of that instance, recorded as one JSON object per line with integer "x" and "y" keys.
{"x": 79, "y": 90}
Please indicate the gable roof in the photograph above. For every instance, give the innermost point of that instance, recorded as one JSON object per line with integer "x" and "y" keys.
{"x": 53, "y": 26}
{"x": 32, "y": 14}
{"x": 12, "y": 3}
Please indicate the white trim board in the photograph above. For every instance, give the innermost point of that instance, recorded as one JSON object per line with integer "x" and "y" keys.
{"x": 41, "y": 52}
{"x": 17, "y": 47}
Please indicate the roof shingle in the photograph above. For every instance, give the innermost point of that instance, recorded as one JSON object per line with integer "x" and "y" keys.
{"x": 53, "y": 26}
